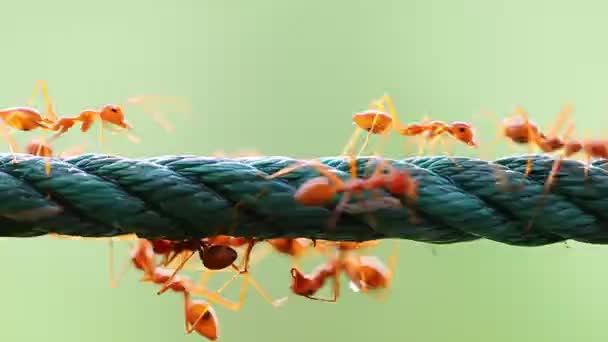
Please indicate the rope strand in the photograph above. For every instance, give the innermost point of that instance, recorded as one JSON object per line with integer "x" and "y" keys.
{"x": 183, "y": 197}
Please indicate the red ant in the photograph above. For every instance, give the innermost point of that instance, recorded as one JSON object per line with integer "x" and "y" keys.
{"x": 320, "y": 190}
{"x": 521, "y": 130}
{"x": 199, "y": 316}
{"x": 378, "y": 121}
{"x": 214, "y": 257}
{"x": 365, "y": 273}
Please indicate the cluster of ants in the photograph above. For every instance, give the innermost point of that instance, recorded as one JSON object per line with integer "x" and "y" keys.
{"x": 153, "y": 258}
{"x": 162, "y": 260}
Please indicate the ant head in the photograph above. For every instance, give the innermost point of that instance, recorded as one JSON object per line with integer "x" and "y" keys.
{"x": 300, "y": 284}
{"x": 114, "y": 115}
{"x": 218, "y": 257}
{"x": 463, "y": 132}
{"x": 202, "y": 316}
{"x": 315, "y": 192}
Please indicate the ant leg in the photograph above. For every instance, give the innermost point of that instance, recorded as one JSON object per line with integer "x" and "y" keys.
{"x": 154, "y": 113}
{"x": 48, "y": 103}
{"x": 335, "y": 290}
{"x": 554, "y": 170}
{"x": 380, "y": 145}
{"x": 101, "y": 136}
{"x": 532, "y": 137}
{"x": 247, "y": 279}
{"x": 289, "y": 169}
{"x": 48, "y": 117}
{"x": 324, "y": 170}
{"x": 349, "y": 149}
{"x": 335, "y": 216}
{"x": 317, "y": 165}
{"x": 12, "y": 143}
{"x": 561, "y": 119}
{"x": 587, "y": 165}
{"x": 134, "y": 139}
{"x": 165, "y": 286}
{"x": 444, "y": 145}
{"x": 115, "y": 280}
{"x": 379, "y": 107}
{"x": 422, "y": 145}
{"x": 392, "y": 260}
{"x": 392, "y": 110}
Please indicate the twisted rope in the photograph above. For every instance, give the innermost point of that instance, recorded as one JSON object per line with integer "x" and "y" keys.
{"x": 182, "y": 197}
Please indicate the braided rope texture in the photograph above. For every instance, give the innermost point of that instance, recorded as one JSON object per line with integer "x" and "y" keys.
{"x": 185, "y": 197}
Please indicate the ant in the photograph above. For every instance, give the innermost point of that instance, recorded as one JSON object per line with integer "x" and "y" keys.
{"x": 521, "y": 130}
{"x": 199, "y": 315}
{"x": 28, "y": 118}
{"x": 320, "y": 190}
{"x": 591, "y": 148}
{"x": 378, "y": 121}
{"x": 111, "y": 114}
{"x": 214, "y": 257}
{"x": 364, "y": 272}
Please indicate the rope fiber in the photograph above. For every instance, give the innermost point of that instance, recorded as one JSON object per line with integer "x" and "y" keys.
{"x": 184, "y": 197}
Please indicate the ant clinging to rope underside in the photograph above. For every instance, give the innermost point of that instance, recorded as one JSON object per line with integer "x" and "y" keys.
{"x": 320, "y": 191}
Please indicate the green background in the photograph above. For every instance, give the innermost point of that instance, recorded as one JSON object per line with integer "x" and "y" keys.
{"x": 283, "y": 78}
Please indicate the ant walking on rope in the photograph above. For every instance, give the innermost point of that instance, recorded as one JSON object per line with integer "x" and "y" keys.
{"x": 378, "y": 121}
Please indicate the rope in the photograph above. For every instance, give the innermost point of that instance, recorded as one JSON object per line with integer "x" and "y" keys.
{"x": 184, "y": 197}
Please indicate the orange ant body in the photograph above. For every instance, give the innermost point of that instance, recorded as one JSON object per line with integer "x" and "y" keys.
{"x": 320, "y": 190}
{"x": 24, "y": 118}
{"x": 109, "y": 113}
{"x": 365, "y": 273}
{"x": 294, "y": 247}
{"x": 201, "y": 317}
{"x": 377, "y": 121}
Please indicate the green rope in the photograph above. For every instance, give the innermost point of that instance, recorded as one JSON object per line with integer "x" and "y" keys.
{"x": 182, "y": 197}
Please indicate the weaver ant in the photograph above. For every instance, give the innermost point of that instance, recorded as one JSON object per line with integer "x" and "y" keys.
{"x": 216, "y": 253}
{"x": 378, "y": 121}
{"x": 321, "y": 190}
{"x": 199, "y": 316}
{"x": 519, "y": 129}
{"x": 364, "y": 272}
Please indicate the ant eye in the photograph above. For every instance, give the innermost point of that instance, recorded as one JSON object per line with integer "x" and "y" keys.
{"x": 461, "y": 129}
{"x": 114, "y": 109}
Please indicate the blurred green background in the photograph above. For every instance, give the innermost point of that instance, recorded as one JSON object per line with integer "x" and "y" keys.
{"x": 283, "y": 78}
